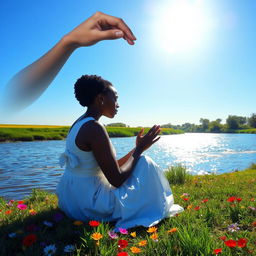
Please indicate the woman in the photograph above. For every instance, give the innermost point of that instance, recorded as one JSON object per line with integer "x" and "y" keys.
{"x": 131, "y": 191}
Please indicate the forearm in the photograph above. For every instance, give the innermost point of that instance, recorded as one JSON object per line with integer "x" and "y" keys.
{"x": 124, "y": 159}
{"x": 31, "y": 82}
{"x": 127, "y": 169}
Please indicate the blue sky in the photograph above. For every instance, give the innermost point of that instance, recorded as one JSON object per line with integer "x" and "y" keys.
{"x": 214, "y": 78}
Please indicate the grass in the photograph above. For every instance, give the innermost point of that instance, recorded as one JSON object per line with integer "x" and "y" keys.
{"x": 177, "y": 175}
{"x": 197, "y": 231}
{"x": 31, "y": 133}
{"x": 252, "y": 130}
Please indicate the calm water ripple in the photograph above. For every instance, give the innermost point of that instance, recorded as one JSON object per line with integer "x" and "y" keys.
{"x": 28, "y": 165}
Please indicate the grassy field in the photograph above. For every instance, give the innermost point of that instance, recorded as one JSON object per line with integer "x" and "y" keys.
{"x": 252, "y": 130}
{"x": 219, "y": 219}
{"x": 44, "y": 132}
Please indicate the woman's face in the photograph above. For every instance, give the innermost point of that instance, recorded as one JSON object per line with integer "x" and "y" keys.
{"x": 110, "y": 104}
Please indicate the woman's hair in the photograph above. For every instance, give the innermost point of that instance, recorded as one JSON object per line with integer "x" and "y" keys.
{"x": 88, "y": 87}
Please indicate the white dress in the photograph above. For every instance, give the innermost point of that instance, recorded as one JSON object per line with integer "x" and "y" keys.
{"x": 144, "y": 199}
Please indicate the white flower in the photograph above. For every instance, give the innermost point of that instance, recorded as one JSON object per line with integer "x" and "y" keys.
{"x": 50, "y": 249}
{"x": 69, "y": 248}
{"x": 48, "y": 223}
{"x": 233, "y": 227}
{"x": 12, "y": 235}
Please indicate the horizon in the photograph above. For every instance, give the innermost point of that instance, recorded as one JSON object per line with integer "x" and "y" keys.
{"x": 203, "y": 65}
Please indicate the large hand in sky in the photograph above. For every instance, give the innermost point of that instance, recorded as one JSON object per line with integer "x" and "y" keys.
{"x": 99, "y": 27}
{"x": 28, "y": 84}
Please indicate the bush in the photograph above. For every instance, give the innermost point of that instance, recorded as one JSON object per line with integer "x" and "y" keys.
{"x": 177, "y": 175}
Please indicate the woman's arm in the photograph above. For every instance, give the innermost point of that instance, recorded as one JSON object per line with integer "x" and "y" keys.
{"x": 27, "y": 85}
{"x": 103, "y": 151}
{"x": 124, "y": 159}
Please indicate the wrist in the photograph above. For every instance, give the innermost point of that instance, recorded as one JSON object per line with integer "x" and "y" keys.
{"x": 68, "y": 42}
{"x": 137, "y": 151}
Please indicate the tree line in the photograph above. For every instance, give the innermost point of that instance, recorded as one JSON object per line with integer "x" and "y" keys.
{"x": 232, "y": 123}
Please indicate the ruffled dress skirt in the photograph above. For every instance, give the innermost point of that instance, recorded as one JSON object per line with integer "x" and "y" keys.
{"x": 144, "y": 199}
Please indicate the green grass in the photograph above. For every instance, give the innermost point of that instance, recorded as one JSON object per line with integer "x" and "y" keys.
{"x": 252, "y": 130}
{"x": 59, "y": 133}
{"x": 177, "y": 175}
{"x": 199, "y": 227}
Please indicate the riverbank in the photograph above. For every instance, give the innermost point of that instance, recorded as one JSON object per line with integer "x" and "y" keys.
{"x": 44, "y": 132}
{"x": 219, "y": 216}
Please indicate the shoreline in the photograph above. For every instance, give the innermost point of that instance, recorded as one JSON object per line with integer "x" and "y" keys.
{"x": 21, "y": 134}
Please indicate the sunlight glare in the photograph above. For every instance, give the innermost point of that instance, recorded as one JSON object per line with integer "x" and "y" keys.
{"x": 180, "y": 25}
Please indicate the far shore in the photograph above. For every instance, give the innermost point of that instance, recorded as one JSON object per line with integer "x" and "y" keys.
{"x": 14, "y": 133}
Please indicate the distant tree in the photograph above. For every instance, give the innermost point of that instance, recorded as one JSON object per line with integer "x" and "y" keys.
{"x": 169, "y": 125}
{"x": 234, "y": 122}
{"x": 252, "y": 120}
{"x": 117, "y": 125}
{"x": 205, "y": 123}
{"x": 218, "y": 120}
{"x": 215, "y": 126}
{"x": 188, "y": 127}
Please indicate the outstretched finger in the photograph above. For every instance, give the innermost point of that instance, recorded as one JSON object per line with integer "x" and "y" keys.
{"x": 120, "y": 24}
{"x": 151, "y": 130}
{"x": 155, "y": 140}
{"x": 141, "y": 131}
{"x": 155, "y": 130}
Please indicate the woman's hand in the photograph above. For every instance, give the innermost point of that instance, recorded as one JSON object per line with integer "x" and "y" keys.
{"x": 100, "y": 26}
{"x": 143, "y": 142}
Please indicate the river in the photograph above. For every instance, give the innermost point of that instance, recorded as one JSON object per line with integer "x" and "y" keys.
{"x": 28, "y": 165}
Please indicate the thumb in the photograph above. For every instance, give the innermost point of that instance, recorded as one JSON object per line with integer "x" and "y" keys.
{"x": 110, "y": 34}
{"x": 141, "y": 131}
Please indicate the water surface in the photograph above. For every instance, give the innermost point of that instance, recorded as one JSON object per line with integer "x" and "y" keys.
{"x": 27, "y": 165}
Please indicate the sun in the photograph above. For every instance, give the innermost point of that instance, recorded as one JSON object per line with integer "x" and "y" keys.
{"x": 180, "y": 25}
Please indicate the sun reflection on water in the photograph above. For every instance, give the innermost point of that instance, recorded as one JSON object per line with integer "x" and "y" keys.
{"x": 199, "y": 152}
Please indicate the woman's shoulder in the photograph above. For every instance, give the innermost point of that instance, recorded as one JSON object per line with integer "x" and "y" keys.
{"x": 92, "y": 126}
{"x": 91, "y": 130}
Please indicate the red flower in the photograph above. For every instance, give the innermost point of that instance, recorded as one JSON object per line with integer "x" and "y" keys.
{"x": 242, "y": 242}
{"x": 29, "y": 240}
{"x": 122, "y": 254}
{"x": 205, "y": 200}
{"x": 21, "y": 202}
{"x": 231, "y": 199}
{"x": 223, "y": 238}
{"x": 122, "y": 244}
{"x": 185, "y": 199}
{"x": 230, "y": 243}
{"x": 217, "y": 251}
{"x": 197, "y": 208}
{"x": 238, "y": 199}
{"x": 94, "y": 223}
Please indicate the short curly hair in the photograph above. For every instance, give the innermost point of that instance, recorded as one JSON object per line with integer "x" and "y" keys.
{"x": 87, "y": 87}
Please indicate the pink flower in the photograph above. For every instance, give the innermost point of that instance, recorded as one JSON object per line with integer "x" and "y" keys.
{"x": 10, "y": 203}
{"x": 112, "y": 235}
{"x": 22, "y": 206}
{"x": 123, "y": 231}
